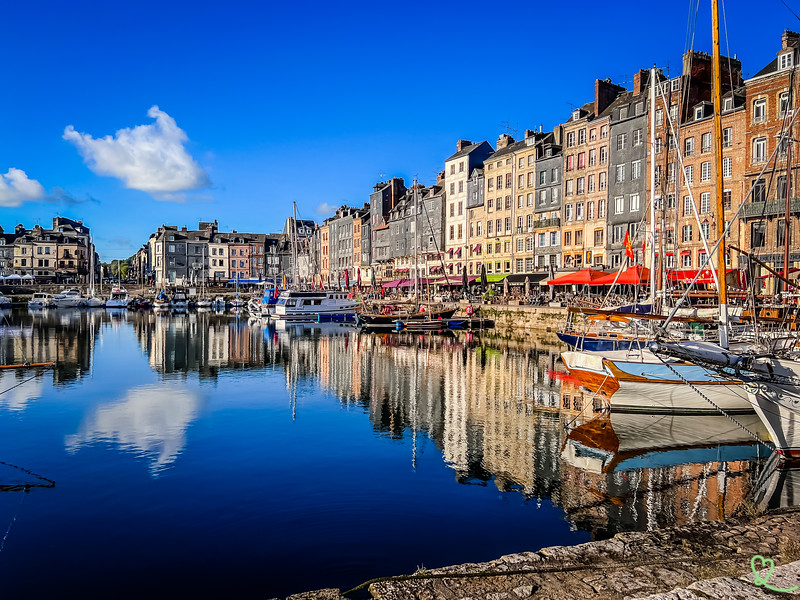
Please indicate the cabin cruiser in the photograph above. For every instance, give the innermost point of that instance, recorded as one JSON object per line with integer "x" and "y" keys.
{"x": 119, "y": 298}
{"x": 4, "y": 302}
{"x": 40, "y": 300}
{"x": 179, "y": 300}
{"x": 308, "y": 306}
{"x": 69, "y": 299}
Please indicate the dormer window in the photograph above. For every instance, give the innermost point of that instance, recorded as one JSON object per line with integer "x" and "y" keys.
{"x": 576, "y": 114}
{"x": 727, "y": 104}
{"x": 785, "y": 61}
{"x": 698, "y": 113}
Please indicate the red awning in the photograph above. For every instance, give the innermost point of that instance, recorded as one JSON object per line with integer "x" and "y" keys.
{"x": 392, "y": 284}
{"x": 636, "y": 275}
{"x": 578, "y": 277}
{"x": 686, "y": 275}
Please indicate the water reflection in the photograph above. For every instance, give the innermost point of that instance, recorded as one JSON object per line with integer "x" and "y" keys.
{"x": 150, "y": 421}
{"x": 500, "y": 414}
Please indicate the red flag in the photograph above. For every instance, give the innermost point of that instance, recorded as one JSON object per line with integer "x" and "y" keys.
{"x": 644, "y": 252}
{"x": 628, "y": 245}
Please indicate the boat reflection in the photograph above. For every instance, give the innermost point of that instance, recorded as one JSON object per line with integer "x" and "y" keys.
{"x": 778, "y": 486}
{"x": 642, "y": 471}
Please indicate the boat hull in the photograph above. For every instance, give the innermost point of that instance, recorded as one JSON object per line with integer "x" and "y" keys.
{"x": 778, "y": 405}
{"x": 653, "y": 387}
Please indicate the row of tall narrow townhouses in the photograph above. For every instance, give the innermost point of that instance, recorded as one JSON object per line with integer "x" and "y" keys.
{"x": 567, "y": 199}
{"x": 563, "y": 199}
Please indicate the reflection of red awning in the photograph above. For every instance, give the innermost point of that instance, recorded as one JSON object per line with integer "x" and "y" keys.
{"x": 577, "y": 278}
{"x": 450, "y": 266}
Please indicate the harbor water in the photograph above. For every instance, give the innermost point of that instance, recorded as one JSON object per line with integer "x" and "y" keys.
{"x": 204, "y": 455}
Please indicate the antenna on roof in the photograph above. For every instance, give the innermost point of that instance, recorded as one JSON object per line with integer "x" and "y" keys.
{"x": 381, "y": 175}
{"x": 510, "y": 130}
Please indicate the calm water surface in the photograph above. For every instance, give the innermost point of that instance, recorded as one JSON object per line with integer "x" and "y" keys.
{"x": 199, "y": 455}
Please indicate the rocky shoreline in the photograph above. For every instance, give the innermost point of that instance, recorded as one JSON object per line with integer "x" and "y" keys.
{"x": 707, "y": 560}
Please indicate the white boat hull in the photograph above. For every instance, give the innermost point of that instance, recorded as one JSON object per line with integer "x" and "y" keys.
{"x": 778, "y": 405}
{"x": 645, "y": 386}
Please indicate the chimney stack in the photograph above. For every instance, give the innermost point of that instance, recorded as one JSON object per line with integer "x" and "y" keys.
{"x": 790, "y": 39}
{"x": 461, "y": 144}
{"x": 504, "y": 140}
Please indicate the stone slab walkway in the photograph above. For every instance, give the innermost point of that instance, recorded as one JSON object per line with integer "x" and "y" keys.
{"x": 709, "y": 560}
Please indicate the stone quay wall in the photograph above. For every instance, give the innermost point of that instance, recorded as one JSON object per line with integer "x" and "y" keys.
{"x": 703, "y": 561}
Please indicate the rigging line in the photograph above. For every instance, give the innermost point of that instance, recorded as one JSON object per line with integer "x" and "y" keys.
{"x": 19, "y": 384}
{"x": 728, "y": 48}
{"x": 790, "y": 10}
{"x": 11, "y": 524}
{"x": 712, "y": 403}
{"x": 726, "y": 231}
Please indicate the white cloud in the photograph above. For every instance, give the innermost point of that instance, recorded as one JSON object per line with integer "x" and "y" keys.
{"x": 150, "y": 158}
{"x": 324, "y": 209}
{"x": 16, "y": 188}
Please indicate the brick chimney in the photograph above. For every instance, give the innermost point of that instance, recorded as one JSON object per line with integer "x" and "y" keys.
{"x": 640, "y": 81}
{"x": 529, "y": 133}
{"x": 604, "y": 94}
{"x": 461, "y": 144}
{"x": 440, "y": 178}
{"x": 503, "y": 140}
{"x": 790, "y": 39}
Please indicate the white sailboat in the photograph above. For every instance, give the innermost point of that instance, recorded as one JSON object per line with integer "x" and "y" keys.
{"x": 92, "y": 301}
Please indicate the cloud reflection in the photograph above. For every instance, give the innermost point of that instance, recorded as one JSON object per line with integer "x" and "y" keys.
{"x": 150, "y": 421}
{"x": 17, "y": 398}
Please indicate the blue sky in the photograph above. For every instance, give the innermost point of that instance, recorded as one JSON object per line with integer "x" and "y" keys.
{"x": 261, "y": 104}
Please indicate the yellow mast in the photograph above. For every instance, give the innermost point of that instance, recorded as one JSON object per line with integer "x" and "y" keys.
{"x": 723, "y": 289}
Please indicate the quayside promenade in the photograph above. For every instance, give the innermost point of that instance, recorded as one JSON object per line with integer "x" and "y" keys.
{"x": 704, "y": 561}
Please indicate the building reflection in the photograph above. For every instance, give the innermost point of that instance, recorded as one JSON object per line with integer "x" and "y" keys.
{"x": 198, "y": 342}
{"x": 500, "y": 415}
{"x": 63, "y": 337}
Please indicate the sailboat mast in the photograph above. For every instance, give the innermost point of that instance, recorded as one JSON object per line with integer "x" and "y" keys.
{"x": 296, "y": 274}
{"x": 416, "y": 241}
{"x": 786, "y": 229}
{"x": 652, "y": 187}
{"x": 723, "y": 288}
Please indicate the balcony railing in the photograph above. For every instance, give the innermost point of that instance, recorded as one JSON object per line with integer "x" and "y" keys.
{"x": 556, "y": 222}
{"x": 773, "y": 207}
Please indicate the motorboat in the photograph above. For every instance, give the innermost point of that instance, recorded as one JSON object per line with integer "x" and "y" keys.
{"x": 309, "y": 305}
{"x": 69, "y": 299}
{"x": 40, "y": 300}
{"x": 179, "y": 299}
{"x": 119, "y": 298}
{"x": 5, "y": 302}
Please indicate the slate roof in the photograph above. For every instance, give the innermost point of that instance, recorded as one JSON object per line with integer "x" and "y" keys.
{"x": 467, "y": 150}
{"x": 772, "y": 67}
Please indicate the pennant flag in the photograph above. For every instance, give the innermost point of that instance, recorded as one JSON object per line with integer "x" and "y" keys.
{"x": 628, "y": 245}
